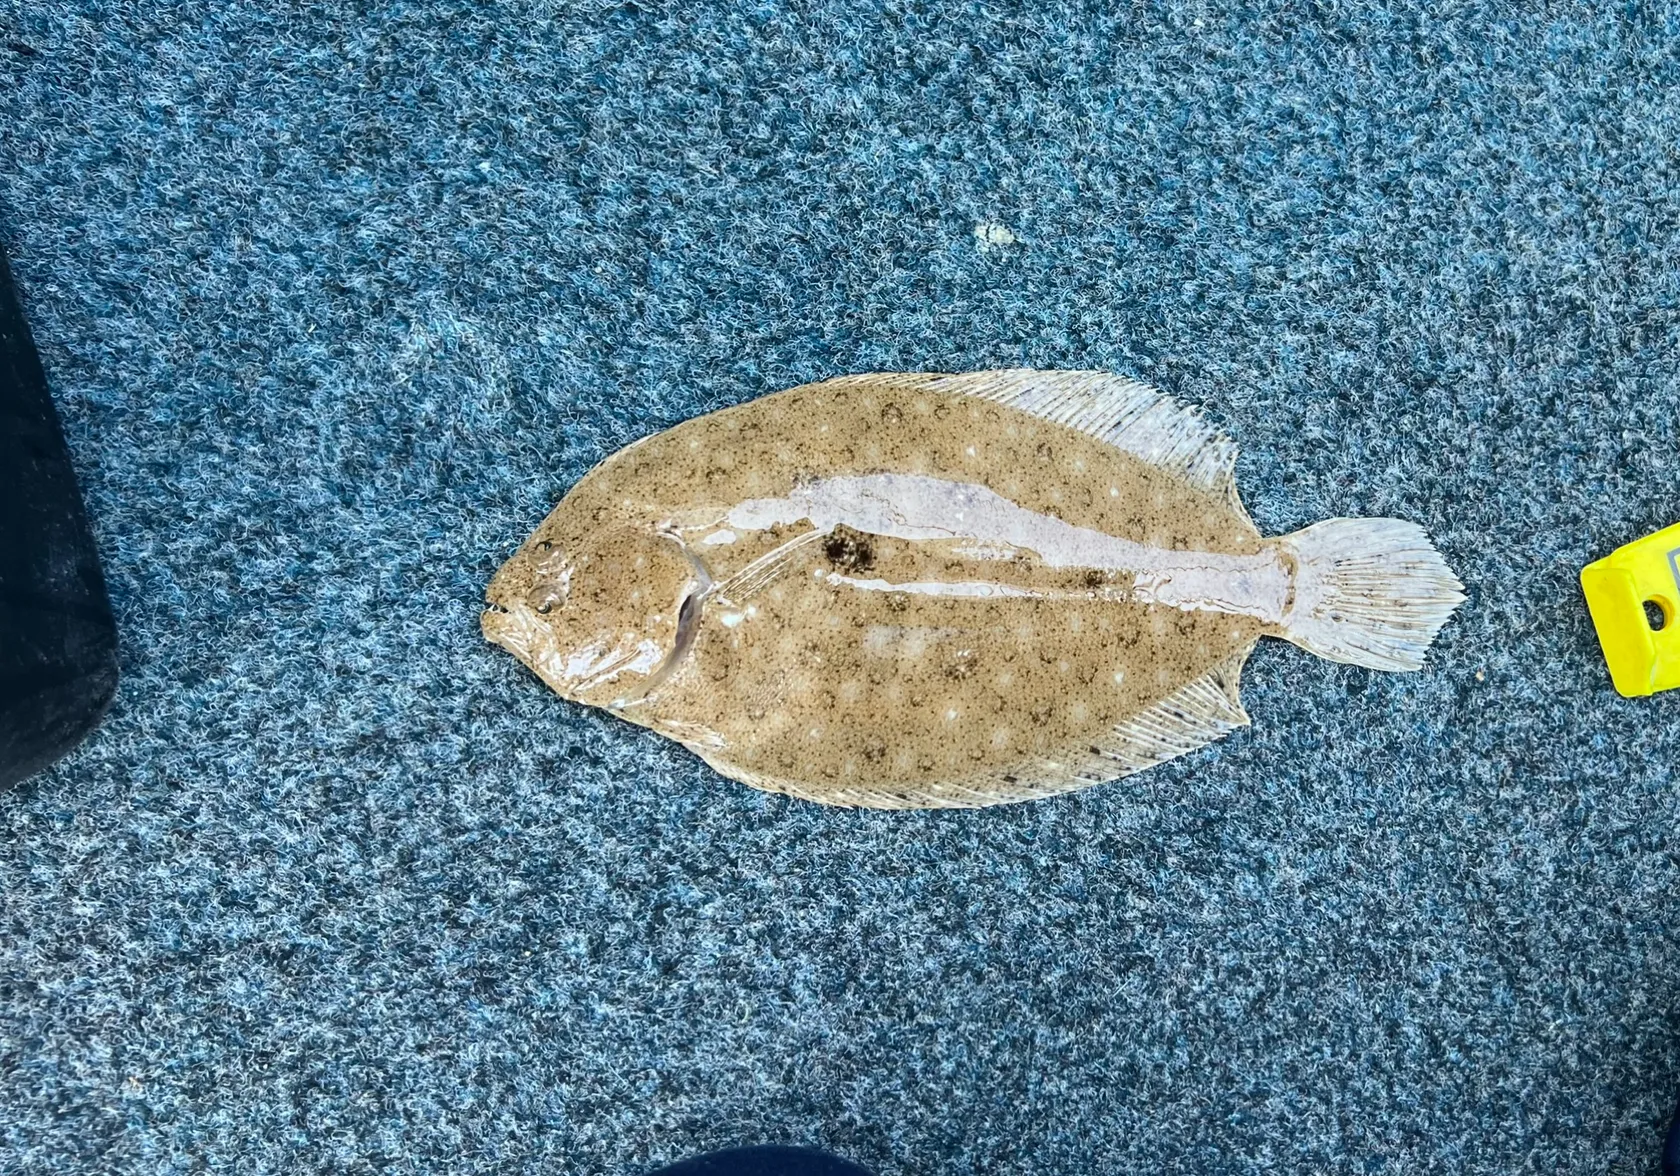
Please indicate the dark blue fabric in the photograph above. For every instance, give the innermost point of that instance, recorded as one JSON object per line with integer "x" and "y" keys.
{"x": 338, "y": 299}
{"x": 764, "y": 1161}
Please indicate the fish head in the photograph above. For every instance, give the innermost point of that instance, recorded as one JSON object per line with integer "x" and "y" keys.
{"x": 602, "y": 614}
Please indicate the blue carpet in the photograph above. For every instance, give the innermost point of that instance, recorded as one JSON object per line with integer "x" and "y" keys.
{"x": 338, "y": 299}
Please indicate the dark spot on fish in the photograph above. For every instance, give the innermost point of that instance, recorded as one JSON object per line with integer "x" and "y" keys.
{"x": 1095, "y": 579}
{"x": 961, "y": 666}
{"x": 849, "y": 550}
{"x": 892, "y": 414}
{"x": 898, "y": 601}
{"x": 1011, "y": 779}
{"x": 875, "y": 751}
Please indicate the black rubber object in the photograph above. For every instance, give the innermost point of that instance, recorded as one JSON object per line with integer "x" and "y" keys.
{"x": 58, "y": 641}
{"x": 765, "y": 1161}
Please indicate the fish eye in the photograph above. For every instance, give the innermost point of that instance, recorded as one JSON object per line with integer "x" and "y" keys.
{"x": 551, "y": 577}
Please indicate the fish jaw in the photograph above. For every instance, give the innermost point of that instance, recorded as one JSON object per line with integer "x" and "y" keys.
{"x": 590, "y": 673}
{"x": 512, "y": 622}
{"x": 516, "y": 627}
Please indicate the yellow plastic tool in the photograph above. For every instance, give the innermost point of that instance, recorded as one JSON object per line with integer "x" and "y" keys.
{"x": 1634, "y": 596}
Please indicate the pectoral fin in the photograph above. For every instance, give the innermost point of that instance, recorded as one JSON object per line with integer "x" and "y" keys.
{"x": 766, "y": 569}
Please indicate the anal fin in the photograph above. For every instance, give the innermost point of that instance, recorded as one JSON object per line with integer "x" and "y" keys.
{"x": 1192, "y": 716}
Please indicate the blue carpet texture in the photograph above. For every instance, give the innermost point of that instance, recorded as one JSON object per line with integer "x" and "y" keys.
{"x": 338, "y": 300}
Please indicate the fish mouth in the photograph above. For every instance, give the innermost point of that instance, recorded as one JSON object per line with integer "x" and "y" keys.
{"x": 500, "y": 623}
{"x": 509, "y": 621}
{"x": 516, "y": 628}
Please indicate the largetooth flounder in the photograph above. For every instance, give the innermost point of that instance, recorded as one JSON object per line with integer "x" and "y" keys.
{"x": 911, "y": 591}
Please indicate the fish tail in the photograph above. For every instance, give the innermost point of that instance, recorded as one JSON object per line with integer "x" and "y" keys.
{"x": 1373, "y": 592}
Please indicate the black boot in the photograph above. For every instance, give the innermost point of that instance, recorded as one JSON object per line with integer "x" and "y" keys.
{"x": 58, "y": 643}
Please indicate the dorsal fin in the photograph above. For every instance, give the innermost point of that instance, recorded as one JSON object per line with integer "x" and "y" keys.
{"x": 1192, "y": 716}
{"x": 1127, "y": 414}
{"x": 1132, "y": 416}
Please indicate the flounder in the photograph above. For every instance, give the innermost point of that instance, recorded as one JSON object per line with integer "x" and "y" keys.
{"x": 920, "y": 590}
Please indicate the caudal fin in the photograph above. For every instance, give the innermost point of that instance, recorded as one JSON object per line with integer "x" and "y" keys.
{"x": 1373, "y": 592}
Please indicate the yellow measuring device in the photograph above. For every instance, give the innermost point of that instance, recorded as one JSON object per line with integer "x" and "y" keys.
{"x": 1634, "y": 597}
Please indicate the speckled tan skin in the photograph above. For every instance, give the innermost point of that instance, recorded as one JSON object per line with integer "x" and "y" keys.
{"x": 898, "y": 591}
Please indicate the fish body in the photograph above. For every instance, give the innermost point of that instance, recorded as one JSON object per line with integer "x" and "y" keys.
{"x": 911, "y": 590}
